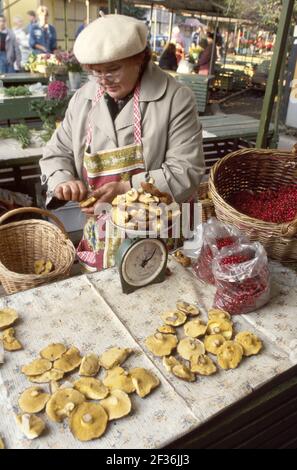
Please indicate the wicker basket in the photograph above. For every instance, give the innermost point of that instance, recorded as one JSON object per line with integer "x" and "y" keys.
{"x": 208, "y": 209}
{"x": 256, "y": 170}
{"x": 24, "y": 242}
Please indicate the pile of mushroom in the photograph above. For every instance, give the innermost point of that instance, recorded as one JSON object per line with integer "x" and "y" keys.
{"x": 8, "y": 340}
{"x": 213, "y": 336}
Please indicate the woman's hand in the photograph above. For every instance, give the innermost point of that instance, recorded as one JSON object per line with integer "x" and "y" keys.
{"x": 71, "y": 191}
{"x": 106, "y": 194}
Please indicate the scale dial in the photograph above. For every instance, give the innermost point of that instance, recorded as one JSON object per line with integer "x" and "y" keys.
{"x": 144, "y": 263}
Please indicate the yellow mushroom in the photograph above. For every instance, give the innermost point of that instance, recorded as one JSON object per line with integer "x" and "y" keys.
{"x": 49, "y": 376}
{"x": 117, "y": 404}
{"x": 166, "y": 329}
{"x": 187, "y": 347}
{"x": 10, "y": 343}
{"x": 70, "y": 360}
{"x": 53, "y": 351}
{"x": 43, "y": 266}
{"x": 8, "y": 317}
{"x": 37, "y": 367}
{"x": 89, "y": 365}
{"x": 62, "y": 403}
{"x": 222, "y": 327}
{"x": 132, "y": 195}
{"x": 217, "y": 314}
{"x": 88, "y": 421}
{"x": 114, "y": 357}
{"x": 2, "y": 446}
{"x": 203, "y": 365}
{"x": 188, "y": 309}
{"x": 91, "y": 388}
{"x": 144, "y": 381}
{"x": 213, "y": 342}
{"x": 230, "y": 355}
{"x": 195, "y": 328}
{"x": 31, "y": 426}
{"x": 250, "y": 343}
{"x": 161, "y": 344}
{"x": 169, "y": 362}
{"x": 183, "y": 372}
{"x": 118, "y": 378}
{"x": 33, "y": 400}
{"x": 174, "y": 318}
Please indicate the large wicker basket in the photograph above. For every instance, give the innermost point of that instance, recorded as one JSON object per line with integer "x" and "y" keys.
{"x": 256, "y": 170}
{"x": 208, "y": 209}
{"x": 24, "y": 242}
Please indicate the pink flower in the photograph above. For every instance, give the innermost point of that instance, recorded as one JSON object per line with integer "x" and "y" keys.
{"x": 57, "y": 90}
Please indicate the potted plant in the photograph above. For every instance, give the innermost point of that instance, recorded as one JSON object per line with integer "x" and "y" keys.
{"x": 74, "y": 69}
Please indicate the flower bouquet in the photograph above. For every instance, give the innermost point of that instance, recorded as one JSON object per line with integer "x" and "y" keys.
{"x": 46, "y": 64}
{"x": 69, "y": 61}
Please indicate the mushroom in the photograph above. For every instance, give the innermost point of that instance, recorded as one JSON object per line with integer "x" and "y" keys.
{"x": 49, "y": 376}
{"x": 217, "y": 314}
{"x": 169, "y": 362}
{"x": 161, "y": 344}
{"x": 118, "y": 200}
{"x": 230, "y": 355}
{"x": 174, "y": 318}
{"x": 89, "y": 365}
{"x": 118, "y": 378}
{"x": 182, "y": 259}
{"x": 250, "y": 343}
{"x": 183, "y": 372}
{"x": 31, "y": 426}
{"x": 2, "y": 446}
{"x": 37, "y": 367}
{"x": 144, "y": 381}
{"x": 33, "y": 400}
{"x": 62, "y": 403}
{"x": 187, "y": 347}
{"x": 8, "y": 316}
{"x": 91, "y": 388}
{"x": 195, "y": 328}
{"x": 43, "y": 266}
{"x": 222, "y": 327}
{"x": 213, "y": 342}
{"x": 132, "y": 195}
{"x": 117, "y": 405}
{"x": 69, "y": 361}
{"x": 202, "y": 365}
{"x": 88, "y": 421}
{"x": 53, "y": 351}
{"x": 188, "y": 309}
{"x": 88, "y": 202}
{"x": 114, "y": 357}
{"x": 166, "y": 329}
{"x": 10, "y": 343}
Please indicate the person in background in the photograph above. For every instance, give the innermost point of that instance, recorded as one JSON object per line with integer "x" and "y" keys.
{"x": 32, "y": 20}
{"x": 43, "y": 36}
{"x": 9, "y": 50}
{"x": 22, "y": 39}
{"x": 204, "y": 62}
{"x": 81, "y": 28}
{"x": 168, "y": 59}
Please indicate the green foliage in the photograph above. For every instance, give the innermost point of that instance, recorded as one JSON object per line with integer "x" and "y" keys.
{"x": 20, "y": 132}
{"x": 17, "y": 91}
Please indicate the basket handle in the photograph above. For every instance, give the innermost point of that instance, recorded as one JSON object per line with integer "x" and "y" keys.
{"x": 289, "y": 230}
{"x": 36, "y": 210}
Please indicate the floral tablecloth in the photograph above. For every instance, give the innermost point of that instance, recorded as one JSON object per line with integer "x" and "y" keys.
{"x": 91, "y": 313}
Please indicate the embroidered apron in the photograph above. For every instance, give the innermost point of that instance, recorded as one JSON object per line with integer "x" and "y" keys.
{"x": 99, "y": 245}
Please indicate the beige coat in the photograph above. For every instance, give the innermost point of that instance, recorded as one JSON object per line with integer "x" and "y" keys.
{"x": 171, "y": 135}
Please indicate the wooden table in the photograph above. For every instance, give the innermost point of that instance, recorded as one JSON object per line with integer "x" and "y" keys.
{"x": 91, "y": 312}
{"x": 22, "y": 78}
{"x": 19, "y": 108}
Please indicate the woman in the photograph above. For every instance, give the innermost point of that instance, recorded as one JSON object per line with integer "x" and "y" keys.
{"x": 168, "y": 59}
{"x": 204, "y": 62}
{"x": 129, "y": 122}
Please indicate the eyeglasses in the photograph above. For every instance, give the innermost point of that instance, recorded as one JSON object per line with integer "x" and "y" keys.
{"x": 111, "y": 77}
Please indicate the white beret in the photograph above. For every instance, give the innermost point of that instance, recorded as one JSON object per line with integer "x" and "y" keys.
{"x": 110, "y": 38}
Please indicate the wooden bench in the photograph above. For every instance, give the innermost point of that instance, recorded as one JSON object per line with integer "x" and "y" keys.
{"x": 199, "y": 85}
{"x": 18, "y": 108}
{"x": 22, "y": 78}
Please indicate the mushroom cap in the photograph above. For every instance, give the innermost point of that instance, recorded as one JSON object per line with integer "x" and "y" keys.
{"x": 230, "y": 355}
{"x": 53, "y": 351}
{"x": 169, "y": 362}
{"x": 222, "y": 327}
{"x": 132, "y": 195}
{"x": 37, "y": 367}
{"x": 161, "y": 344}
{"x": 187, "y": 347}
{"x": 49, "y": 376}
{"x": 250, "y": 343}
{"x": 8, "y": 316}
{"x": 195, "y": 328}
{"x": 183, "y": 372}
{"x": 203, "y": 365}
{"x": 114, "y": 357}
{"x": 174, "y": 318}
{"x": 43, "y": 266}
{"x": 144, "y": 381}
{"x": 213, "y": 342}
{"x": 188, "y": 309}
{"x": 91, "y": 388}
{"x": 89, "y": 365}
{"x": 119, "y": 378}
{"x": 62, "y": 403}
{"x": 31, "y": 426}
{"x": 33, "y": 400}
{"x": 117, "y": 404}
{"x": 88, "y": 421}
{"x": 2, "y": 446}
{"x": 166, "y": 329}
{"x": 217, "y": 314}
{"x": 10, "y": 343}
{"x": 69, "y": 361}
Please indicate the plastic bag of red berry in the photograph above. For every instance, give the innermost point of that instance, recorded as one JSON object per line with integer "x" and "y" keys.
{"x": 242, "y": 278}
{"x": 216, "y": 235}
